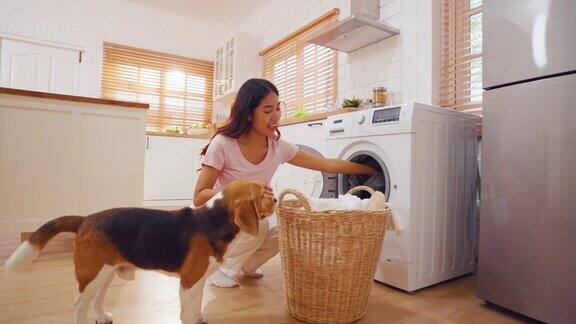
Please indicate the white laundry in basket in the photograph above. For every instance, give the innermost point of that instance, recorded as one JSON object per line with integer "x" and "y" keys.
{"x": 344, "y": 202}
{"x": 349, "y": 202}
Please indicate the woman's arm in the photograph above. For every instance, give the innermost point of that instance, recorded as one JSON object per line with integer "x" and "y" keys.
{"x": 315, "y": 162}
{"x": 205, "y": 184}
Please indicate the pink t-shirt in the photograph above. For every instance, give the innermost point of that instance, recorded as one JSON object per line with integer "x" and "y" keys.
{"x": 224, "y": 154}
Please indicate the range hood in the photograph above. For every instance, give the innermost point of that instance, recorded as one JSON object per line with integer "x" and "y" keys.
{"x": 361, "y": 29}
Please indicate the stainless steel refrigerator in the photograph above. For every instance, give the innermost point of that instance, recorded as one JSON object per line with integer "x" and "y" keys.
{"x": 527, "y": 252}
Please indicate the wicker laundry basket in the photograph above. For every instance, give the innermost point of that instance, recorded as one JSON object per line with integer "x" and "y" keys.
{"x": 328, "y": 258}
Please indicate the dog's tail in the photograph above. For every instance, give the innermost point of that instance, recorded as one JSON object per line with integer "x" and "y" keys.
{"x": 29, "y": 250}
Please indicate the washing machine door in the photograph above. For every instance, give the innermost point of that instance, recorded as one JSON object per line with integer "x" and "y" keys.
{"x": 309, "y": 182}
{"x": 394, "y": 248}
{"x": 380, "y": 182}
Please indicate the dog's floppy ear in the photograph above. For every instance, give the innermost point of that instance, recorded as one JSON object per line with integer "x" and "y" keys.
{"x": 246, "y": 216}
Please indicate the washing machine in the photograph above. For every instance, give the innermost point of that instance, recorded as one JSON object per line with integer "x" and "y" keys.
{"x": 308, "y": 136}
{"x": 427, "y": 156}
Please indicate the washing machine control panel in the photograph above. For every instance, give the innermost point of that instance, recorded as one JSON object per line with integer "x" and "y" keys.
{"x": 374, "y": 121}
{"x": 386, "y": 115}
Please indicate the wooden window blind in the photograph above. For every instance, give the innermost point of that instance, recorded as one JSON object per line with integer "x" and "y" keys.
{"x": 305, "y": 74}
{"x": 178, "y": 89}
{"x": 461, "y": 87}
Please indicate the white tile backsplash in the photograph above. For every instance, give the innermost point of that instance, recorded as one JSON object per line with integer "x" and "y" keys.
{"x": 380, "y": 64}
{"x": 357, "y": 63}
{"x": 346, "y": 83}
{"x": 365, "y": 78}
{"x": 390, "y": 9}
{"x": 389, "y": 71}
{"x": 3, "y": 20}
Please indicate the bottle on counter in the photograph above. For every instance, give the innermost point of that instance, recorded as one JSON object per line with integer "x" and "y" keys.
{"x": 380, "y": 96}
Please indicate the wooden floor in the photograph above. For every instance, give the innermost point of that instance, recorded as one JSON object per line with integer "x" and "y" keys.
{"x": 44, "y": 294}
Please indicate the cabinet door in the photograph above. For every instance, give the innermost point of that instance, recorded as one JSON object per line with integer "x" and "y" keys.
{"x": 35, "y": 166}
{"x": 219, "y": 72}
{"x": 63, "y": 71}
{"x": 171, "y": 167}
{"x": 38, "y": 67}
{"x": 111, "y": 149}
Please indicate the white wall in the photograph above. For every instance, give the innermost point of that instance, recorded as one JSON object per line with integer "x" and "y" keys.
{"x": 407, "y": 64}
{"x": 88, "y": 23}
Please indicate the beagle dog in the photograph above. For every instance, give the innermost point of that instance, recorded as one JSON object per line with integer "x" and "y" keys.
{"x": 188, "y": 243}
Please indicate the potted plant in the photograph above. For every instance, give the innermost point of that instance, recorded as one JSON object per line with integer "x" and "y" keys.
{"x": 172, "y": 130}
{"x": 199, "y": 129}
{"x": 351, "y": 103}
{"x": 300, "y": 111}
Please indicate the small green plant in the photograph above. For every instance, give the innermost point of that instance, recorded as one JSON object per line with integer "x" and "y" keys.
{"x": 351, "y": 103}
{"x": 198, "y": 125}
{"x": 172, "y": 130}
{"x": 300, "y": 111}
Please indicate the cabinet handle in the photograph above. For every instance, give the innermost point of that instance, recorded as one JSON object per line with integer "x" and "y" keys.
{"x": 147, "y": 142}
{"x": 315, "y": 124}
{"x": 336, "y": 130}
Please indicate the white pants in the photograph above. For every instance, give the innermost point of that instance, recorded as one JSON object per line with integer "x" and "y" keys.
{"x": 248, "y": 252}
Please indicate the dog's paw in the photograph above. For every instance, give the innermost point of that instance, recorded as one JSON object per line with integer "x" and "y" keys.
{"x": 107, "y": 319}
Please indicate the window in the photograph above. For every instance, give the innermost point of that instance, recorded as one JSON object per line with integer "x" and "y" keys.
{"x": 462, "y": 55}
{"x": 305, "y": 74}
{"x": 178, "y": 89}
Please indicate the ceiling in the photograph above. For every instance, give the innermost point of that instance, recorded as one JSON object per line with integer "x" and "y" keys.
{"x": 226, "y": 12}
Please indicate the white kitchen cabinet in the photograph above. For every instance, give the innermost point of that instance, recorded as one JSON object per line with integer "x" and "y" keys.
{"x": 61, "y": 157}
{"x": 171, "y": 170}
{"x": 34, "y": 175}
{"x": 237, "y": 60}
{"x": 111, "y": 161}
{"x": 309, "y": 133}
{"x": 39, "y": 66}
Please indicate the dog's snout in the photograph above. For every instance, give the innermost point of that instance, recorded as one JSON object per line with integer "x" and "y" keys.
{"x": 275, "y": 200}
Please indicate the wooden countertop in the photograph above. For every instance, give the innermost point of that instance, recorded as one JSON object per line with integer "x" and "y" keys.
{"x": 165, "y": 134}
{"x": 283, "y": 122}
{"x": 55, "y": 96}
{"x": 313, "y": 117}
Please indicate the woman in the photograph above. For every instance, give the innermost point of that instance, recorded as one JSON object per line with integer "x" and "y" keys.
{"x": 249, "y": 147}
